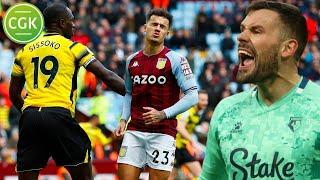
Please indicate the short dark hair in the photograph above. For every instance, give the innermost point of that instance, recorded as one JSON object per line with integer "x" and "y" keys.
{"x": 160, "y": 12}
{"x": 93, "y": 116}
{"x": 53, "y": 13}
{"x": 202, "y": 91}
{"x": 294, "y": 23}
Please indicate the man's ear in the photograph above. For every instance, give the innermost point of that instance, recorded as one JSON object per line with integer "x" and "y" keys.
{"x": 169, "y": 32}
{"x": 62, "y": 22}
{"x": 145, "y": 28}
{"x": 289, "y": 48}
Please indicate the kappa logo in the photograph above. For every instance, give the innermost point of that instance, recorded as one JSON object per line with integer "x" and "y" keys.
{"x": 161, "y": 63}
{"x": 237, "y": 127}
{"x": 172, "y": 164}
{"x": 295, "y": 123}
{"x": 135, "y": 64}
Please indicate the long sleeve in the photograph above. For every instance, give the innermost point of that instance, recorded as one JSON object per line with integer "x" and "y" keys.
{"x": 187, "y": 83}
{"x": 213, "y": 166}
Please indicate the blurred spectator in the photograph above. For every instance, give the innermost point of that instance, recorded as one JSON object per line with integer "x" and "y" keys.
{"x": 219, "y": 23}
{"x": 8, "y": 153}
{"x": 3, "y": 140}
{"x": 4, "y": 89}
{"x": 116, "y": 64}
{"x": 312, "y": 22}
{"x": 235, "y": 26}
{"x": 4, "y": 114}
{"x": 63, "y": 174}
{"x": 227, "y": 45}
{"x": 302, "y": 6}
{"x": 202, "y": 27}
{"x": 97, "y": 138}
{"x": 228, "y": 15}
{"x": 92, "y": 33}
{"x": 90, "y": 85}
{"x": 160, "y": 3}
{"x": 177, "y": 40}
{"x": 139, "y": 18}
{"x": 188, "y": 151}
{"x": 206, "y": 75}
{"x": 80, "y": 36}
{"x": 139, "y": 42}
{"x": 6, "y": 58}
{"x": 130, "y": 23}
{"x": 111, "y": 13}
{"x": 82, "y": 18}
{"x": 240, "y": 7}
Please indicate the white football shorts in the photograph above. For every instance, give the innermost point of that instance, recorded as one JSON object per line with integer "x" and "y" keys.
{"x": 141, "y": 149}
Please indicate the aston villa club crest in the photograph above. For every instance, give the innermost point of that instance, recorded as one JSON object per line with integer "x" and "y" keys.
{"x": 123, "y": 151}
{"x": 161, "y": 63}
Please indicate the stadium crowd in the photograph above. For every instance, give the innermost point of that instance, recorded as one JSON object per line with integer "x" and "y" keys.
{"x": 203, "y": 31}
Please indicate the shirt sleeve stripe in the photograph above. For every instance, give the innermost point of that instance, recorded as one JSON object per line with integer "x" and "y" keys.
{"x": 192, "y": 88}
{"x": 83, "y": 54}
{"x": 73, "y": 44}
{"x": 17, "y": 63}
{"x": 17, "y": 75}
{"x": 90, "y": 61}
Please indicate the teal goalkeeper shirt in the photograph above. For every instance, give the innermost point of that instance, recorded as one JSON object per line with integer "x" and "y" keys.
{"x": 250, "y": 140}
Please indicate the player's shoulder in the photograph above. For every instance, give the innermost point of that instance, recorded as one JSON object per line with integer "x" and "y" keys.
{"x": 55, "y": 37}
{"x": 131, "y": 57}
{"x": 311, "y": 92}
{"x": 135, "y": 54}
{"x": 63, "y": 41}
{"x": 173, "y": 55}
{"x": 21, "y": 51}
{"x": 76, "y": 44}
{"x": 239, "y": 99}
{"x": 308, "y": 101}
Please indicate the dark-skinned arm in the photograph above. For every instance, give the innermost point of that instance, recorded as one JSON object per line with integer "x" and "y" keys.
{"x": 15, "y": 89}
{"x": 110, "y": 78}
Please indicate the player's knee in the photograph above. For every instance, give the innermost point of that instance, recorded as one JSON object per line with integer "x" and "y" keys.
{"x": 158, "y": 174}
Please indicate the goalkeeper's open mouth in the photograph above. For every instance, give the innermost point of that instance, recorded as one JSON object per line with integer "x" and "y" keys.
{"x": 246, "y": 58}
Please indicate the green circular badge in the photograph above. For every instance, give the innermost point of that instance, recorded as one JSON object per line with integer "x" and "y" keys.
{"x": 23, "y": 23}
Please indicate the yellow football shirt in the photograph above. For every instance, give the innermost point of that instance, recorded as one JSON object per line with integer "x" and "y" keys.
{"x": 50, "y": 65}
{"x": 191, "y": 119}
{"x": 95, "y": 134}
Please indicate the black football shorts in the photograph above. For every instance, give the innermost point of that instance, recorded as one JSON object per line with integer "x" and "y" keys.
{"x": 50, "y": 132}
{"x": 182, "y": 157}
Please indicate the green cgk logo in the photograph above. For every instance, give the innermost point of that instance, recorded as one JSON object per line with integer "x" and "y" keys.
{"x": 23, "y": 23}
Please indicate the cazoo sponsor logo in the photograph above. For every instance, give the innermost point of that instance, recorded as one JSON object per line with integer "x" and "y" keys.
{"x": 146, "y": 79}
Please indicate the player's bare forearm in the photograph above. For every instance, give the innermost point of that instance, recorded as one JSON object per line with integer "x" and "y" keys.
{"x": 15, "y": 89}
{"x": 181, "y": 128}
{"x": 114, "y": 82}
{"x": 110, "y": 78}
